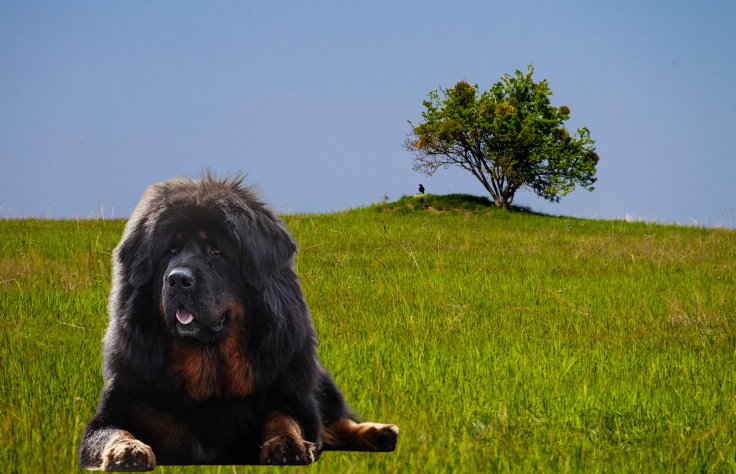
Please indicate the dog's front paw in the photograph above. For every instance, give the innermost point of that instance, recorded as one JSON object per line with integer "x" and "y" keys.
{"x": 285, "y": 450}
{"x": 125, "y": 453}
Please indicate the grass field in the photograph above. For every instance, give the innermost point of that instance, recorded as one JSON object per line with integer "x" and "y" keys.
{"x": 497, "y": 341}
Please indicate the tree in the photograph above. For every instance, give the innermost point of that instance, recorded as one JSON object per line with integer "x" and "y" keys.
{"x": 510, "y": 137}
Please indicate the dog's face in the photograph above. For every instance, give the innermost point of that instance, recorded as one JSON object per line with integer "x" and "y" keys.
{"x": 198, "y": 283}
{"x": 204, "y": 250}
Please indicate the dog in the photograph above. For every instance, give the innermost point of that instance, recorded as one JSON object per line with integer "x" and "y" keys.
{"x": 210, "y": 352}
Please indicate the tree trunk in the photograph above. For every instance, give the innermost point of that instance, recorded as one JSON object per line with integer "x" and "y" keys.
{"x": 502, "y": 197}
{"x": 500, "y": 202}
{"x": 505, "y": 197}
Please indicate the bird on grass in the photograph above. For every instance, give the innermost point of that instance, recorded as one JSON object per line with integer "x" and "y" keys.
{"x": 421, "y": 189}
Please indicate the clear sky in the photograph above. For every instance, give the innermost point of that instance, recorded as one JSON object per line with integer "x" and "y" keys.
{"x": 311, "y": 99}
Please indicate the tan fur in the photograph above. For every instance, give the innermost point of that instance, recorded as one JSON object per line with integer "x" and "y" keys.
{"x": 222, "y": 370}
{"x": 348, "y": 435}
{"x": 276, "y": 424}
{"x": 199, "y": 369}
{"x": 124, "y": 452}
{"x": 239, "y": 380}
{"x": 283, "y": 442}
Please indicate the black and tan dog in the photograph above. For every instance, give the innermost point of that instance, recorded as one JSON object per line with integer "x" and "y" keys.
{"x": 209, "y": 357}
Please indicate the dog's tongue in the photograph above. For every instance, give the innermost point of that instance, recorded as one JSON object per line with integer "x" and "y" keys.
{"x": 184, "y": 316}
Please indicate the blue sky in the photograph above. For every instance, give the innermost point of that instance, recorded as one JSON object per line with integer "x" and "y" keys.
{"x": 311, "y": 99}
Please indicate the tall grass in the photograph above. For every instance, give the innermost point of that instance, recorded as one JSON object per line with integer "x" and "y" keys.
{"x": 495, "y": 340}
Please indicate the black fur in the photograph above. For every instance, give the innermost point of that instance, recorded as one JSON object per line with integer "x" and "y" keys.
{"x": 143, "y": 393}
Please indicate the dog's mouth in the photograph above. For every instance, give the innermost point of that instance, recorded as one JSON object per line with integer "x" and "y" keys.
{"x": 183, "y": 316}
{"x": 189, "y": 326}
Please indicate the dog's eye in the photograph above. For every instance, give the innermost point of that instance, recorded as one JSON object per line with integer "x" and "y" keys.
{"x": 215, "y": 251}
{"x": 173, "y": 250}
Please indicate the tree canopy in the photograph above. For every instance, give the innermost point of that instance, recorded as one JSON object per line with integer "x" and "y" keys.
{"x": 509, "y": 137}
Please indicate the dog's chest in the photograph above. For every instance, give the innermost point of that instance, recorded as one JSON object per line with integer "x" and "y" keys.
{"x": 213, "y": 371}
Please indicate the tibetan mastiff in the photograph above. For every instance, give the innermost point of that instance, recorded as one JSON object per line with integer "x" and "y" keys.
{"x": 209, "y": 356}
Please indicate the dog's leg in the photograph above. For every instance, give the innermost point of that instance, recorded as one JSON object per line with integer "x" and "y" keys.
{"x": 341, "y": 432}
{"x": 348, "y": 435}
{"x": 106, "y": 446}
{"x": 283, "y": 442}
{"x": 112, "y": 449}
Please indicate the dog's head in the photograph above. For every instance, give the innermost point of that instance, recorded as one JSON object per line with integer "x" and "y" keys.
{"x": 201, "y": 248}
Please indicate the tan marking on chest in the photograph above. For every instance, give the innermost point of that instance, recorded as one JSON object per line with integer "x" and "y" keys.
{"x": 215, "y": 371}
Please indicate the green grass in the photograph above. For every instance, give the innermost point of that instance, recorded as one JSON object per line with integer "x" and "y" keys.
{"x": 497, "y": 341}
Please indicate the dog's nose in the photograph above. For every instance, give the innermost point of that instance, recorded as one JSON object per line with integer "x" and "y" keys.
{"x": 181, "y": 276}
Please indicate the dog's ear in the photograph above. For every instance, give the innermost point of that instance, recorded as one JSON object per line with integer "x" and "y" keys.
{"x": 133, "y": 259}
{"x": 265, "y": 245}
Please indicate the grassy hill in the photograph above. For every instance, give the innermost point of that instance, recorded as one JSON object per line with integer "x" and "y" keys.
{"x": 496, "y": 340}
